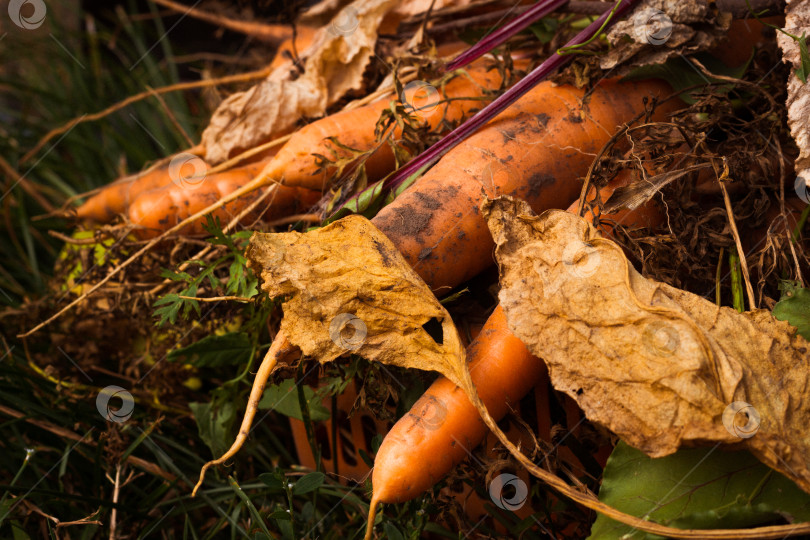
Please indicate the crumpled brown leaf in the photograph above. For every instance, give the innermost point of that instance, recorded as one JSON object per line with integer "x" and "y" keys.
{"x": 658, "y": 29}
{"x": 349, "y": 289}
{"x": 797, "y": 22}
{"x": 660, "y": 367}
{"x": 334, "y": 64}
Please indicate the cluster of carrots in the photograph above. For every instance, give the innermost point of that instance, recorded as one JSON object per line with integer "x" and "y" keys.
{"x": 536, "y": 150}
{"x": 161, "y": 198}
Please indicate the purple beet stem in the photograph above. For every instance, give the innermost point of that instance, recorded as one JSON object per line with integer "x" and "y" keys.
{"x": 432, "y": 154}
{"x": 540, "y": 9}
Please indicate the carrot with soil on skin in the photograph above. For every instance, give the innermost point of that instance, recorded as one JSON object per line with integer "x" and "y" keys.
{"x": 454, "y": 426}
{"x": 160, "y": 209}
{"x": 297, "y": 162}
{"x": 541, "y": 144}
{"x": 116, "y": 197}
{"x": 536, "y": 150}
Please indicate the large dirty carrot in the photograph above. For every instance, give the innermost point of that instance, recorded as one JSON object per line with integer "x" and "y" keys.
{"x": 443, "y": 424}
{"x": 535, "y": 150}
{"x": 161, "y": 209}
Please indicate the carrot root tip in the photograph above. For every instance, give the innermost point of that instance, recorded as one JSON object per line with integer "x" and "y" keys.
{"x": 268, "y": 363}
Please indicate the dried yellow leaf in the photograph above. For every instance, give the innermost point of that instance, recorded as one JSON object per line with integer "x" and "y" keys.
{"x": 660, "y": 367}
{"x": 349, "y": 289}
{"x": 333, "y": 65}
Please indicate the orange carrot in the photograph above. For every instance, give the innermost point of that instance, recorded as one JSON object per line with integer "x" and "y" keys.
{"x": 160, "y": 209}
{"x": 116, "y": 197}
{"x": 297, "y": 163}
{"x": 443, "y": 424}
{"x": 536, "y": 150}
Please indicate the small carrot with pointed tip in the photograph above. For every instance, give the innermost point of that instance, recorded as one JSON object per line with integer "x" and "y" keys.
{"x": 160, "y": 209}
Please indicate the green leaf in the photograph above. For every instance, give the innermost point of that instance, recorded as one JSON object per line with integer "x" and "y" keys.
{"x": 391, "y": 531}
{"x": 283, "y": 398}
{"x": 274, "y": 481}
{"x": 407, "y": 183}
{"x": 698, "y": 488}
{"x": 794, "y": 307}
{"x": 366, "y": 202}
{"x": 681, "y": 74}
{"x": 175, "y": 276}
{"x": 804, "y": 69}
{"x": 283, "y": 515}
{"x": 170, "y": 307}
{"x": 215, "y": 424}
{"x": 308, "y": 483}
{"x": 545, "y": 29}
{"x": 234, "y": 348}
{"x": 18, "y": 533}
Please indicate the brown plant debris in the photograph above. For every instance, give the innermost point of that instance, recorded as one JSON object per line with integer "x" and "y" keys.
{"x": 659, "y": 29}
{"x": 797, "y": 21}
{"x": 349, "y": 289}
{"x": 334, "y": 64}
{"x": 660, "y": 367}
